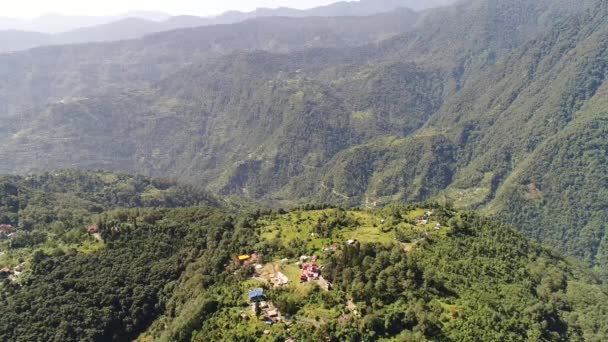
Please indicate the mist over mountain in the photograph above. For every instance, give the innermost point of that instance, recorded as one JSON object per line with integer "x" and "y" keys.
{"x": 61, "y": 30}
{"x": 57, "y": 23}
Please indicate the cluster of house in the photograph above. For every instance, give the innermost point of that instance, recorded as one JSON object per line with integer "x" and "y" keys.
{"x": 8, "y": 273}
{"x": 424, "y": 219}
{"x": 332, "y": 248}
{"x": 93, "y": 229}
{"x": 247, "y": 259}
{"x": 310, "y": 270}
{"x": 6, "y": 231}
{"x": 335, "y": 246}
{"x": 262, "y": 307}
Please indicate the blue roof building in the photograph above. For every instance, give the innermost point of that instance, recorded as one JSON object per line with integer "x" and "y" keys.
{"x": 256, "y": 294}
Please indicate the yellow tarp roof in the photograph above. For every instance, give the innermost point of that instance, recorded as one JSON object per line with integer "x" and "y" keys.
{"x": 244, "y": 257}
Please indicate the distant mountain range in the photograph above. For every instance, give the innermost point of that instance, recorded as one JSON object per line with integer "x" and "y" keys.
{"x": 56, "y": 23}
{"x": 60, "y": 30}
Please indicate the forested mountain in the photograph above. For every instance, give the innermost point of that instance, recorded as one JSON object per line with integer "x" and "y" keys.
{"x": 87, "y": 69}
{"x": 140, "y": 24}
{"x": 135, "y": 28}
{"x": 495, "y": 105}
{"x": 172, "y": 274}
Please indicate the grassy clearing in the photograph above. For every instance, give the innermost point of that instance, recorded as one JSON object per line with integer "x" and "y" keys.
{"x": 370, "y": 227}
{"x": 292, "y": 226}
{"x": 293, "y": 273}
{"x": 300, "y": 225}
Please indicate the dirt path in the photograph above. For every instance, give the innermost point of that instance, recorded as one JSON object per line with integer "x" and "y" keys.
{"x": 271, "y": 273}
{"x": 334, "y": 191}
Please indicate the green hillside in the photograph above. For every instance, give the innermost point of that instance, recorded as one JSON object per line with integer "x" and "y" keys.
{"x": 397, "y": 274}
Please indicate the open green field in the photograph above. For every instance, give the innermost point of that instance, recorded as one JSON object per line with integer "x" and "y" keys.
{"x": 367, "y": 227}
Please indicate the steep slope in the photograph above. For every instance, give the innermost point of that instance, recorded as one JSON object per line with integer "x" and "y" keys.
{"x": 146, "y": 61}
{"x": 562, "y": 185}
{"x": 80, "y": 70}
{"x": 527, "y": 139}
{"x": 52, "y": 74}
{"x": 523, "y": 127}
{"x": 201, "y": 104}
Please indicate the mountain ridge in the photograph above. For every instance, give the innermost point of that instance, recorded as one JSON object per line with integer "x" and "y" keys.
{"x": 136, "y": 25}
{"x": 56, "y": 23}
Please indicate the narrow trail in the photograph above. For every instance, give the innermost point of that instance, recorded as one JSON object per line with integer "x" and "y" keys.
{"x": 334, "y": 191}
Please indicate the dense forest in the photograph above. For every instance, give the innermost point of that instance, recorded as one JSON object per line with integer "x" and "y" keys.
{"x": 46, "y": 198}
{"x": 114, "y": 293}
{"x": 401, "y": 273}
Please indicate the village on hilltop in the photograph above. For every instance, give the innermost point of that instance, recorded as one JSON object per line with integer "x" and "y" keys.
{"x": 300, "y": 274}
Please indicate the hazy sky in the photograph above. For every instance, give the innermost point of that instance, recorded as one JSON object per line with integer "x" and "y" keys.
{"x": 34, "y": 8}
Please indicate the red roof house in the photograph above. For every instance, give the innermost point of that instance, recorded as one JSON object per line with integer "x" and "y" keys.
{"x": 6, "y": 228}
